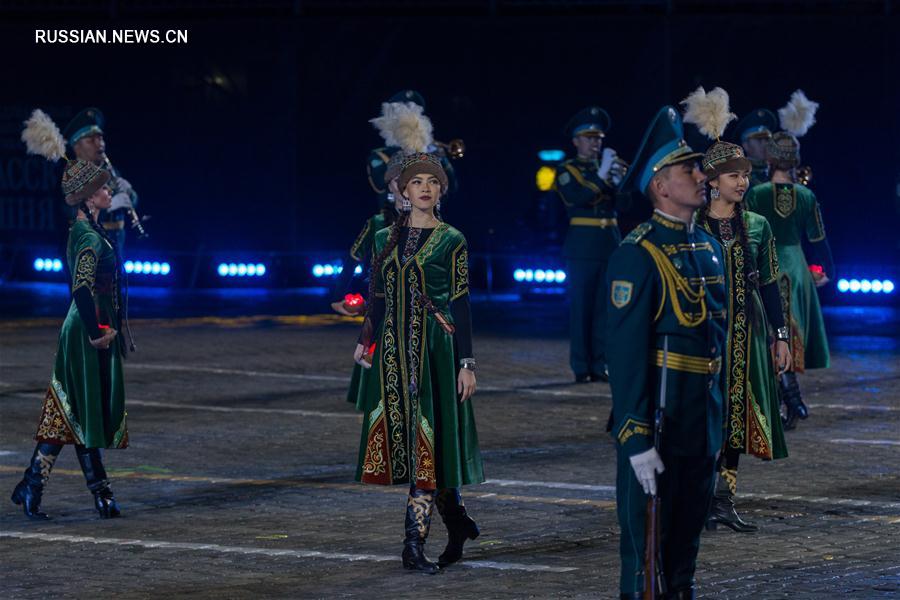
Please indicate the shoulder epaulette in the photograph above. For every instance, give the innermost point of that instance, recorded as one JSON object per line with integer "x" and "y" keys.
{"x": 638, "y": 233}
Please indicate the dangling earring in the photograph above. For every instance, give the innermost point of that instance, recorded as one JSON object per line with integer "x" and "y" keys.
{"x": 405, "y": 204}
{"x": 438, "y": 205}
{"x": 714, "y": 193}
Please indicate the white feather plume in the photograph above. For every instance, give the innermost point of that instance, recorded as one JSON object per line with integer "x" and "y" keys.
{"x": 403, "y": 124}
{"x": 708, "y": 111}
{"x": 798, "y": 115}
{"x": 42, "y": 136}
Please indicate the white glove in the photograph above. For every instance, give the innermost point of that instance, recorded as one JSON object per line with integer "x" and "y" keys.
{"x": 646, "y": 465}
{"x": 606, "y": 163}
{"x": 120, "y": 200}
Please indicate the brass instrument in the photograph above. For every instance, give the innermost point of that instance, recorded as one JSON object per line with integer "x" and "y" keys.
{"x": 136, "y": 221}
{"x": 803, "y": 175}
{"x": 454, "y": 149}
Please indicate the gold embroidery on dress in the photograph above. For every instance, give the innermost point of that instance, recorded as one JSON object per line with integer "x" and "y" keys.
{"x": 785, "y": 200}
{"x": 460, "y": 280}
{"x": 820, "y": 226}
{"x": 355, "y": 248}
{"x": 374, "y": 463}
{"x": 739, "y": 342}
{"x": 85, "y": 270}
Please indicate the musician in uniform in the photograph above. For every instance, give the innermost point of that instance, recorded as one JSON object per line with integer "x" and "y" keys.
{"x": 84, "y": 134}
{"x": 752, "y": 132}
{"x": 667, "y": 314}
{"x": 587, "y": 186}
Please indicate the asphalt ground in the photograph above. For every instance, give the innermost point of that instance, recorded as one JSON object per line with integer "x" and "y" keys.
{"x": 239, "y": 479}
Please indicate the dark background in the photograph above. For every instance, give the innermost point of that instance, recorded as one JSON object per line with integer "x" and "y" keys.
{"x": 254, "y": 135}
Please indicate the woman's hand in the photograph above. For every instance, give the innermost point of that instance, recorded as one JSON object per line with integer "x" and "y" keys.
{"x": 338, "y": 307}
{"x": 359, "y": 356}
{"x": 465, "y": 384}
{"x": 820, "y": 281}
{"x": 783, "y": 359}
{"x": 103, "y": 342}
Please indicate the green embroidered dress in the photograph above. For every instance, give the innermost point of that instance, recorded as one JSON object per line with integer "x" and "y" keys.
{"x": 85, "y": 403}
{"x": 415, "y": 430}
{"x": 751, "y": 396}
{"x": 792, "y": 211}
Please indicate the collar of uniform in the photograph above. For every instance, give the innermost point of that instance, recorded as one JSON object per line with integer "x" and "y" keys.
{"x": 585, "y": 160}
{"x": 672, "y": 222}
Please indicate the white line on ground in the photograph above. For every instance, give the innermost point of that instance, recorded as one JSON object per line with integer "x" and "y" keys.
{"x": 877, "y": 407}
{"x": 237, "y": 409}
{"x": 867, "y": 442}
{"x": 274, "y": 552}
{"x": 304, "y": 376}
{"x": 555, "y": 485}
{"x": 824, "y": 500}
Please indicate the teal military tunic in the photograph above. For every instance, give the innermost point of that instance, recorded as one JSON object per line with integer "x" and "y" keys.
{"x": 666, "y": 280}
{"x": 592, "y": 237}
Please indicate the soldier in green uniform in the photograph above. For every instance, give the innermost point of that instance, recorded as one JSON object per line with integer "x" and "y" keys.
{"x": 667, "y": 312}
{"x": 587, "y": 186}
{"x": 752, "y": 132}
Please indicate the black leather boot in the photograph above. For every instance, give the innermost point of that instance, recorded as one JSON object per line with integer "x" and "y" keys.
{"x": 795, "y": 409}
{"x": 95, "y": 475}
{"x": 31, "y": 489}
{"x": 460, "y": 526}
{"x": 723, "y": 511}
{"x": 419, "y": 507}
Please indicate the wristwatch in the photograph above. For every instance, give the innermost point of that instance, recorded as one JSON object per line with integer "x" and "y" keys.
{"x": 783, "y": 334}
{"x": 467, "y": 363}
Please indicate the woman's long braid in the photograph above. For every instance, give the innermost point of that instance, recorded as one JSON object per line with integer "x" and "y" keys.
{"x": 378, "y": 259}
{"x": 121, "y": 299}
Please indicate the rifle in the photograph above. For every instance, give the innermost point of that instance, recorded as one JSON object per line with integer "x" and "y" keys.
{"x": 654, "y": 581}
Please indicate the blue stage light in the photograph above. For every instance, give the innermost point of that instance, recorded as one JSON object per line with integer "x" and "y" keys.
{"x": 560, "y": 276}
{"x": 39, "y": 264}
{"x": 57, "y": 265}
{"x": 551, "y": 155}
{"x": 888, "y": 286}
{"x": 260, "y": 269}
{"x": 165, "y": 268}
{"x": 877, "y": 286}
{"x": 138, "y": 267}
{"x": 251, "y": 270}
{"x": 223, "y": 270}
{"x": 318, "y": 270}
{"x": 519, "y": 275}
{"x": 329, "y": 270}
{"x": 539, "y": 276}
{"x": 242, "y": 270}
{"x": 156, "y": 268}
{"x": 855, "y": 285}
{"x": 357, "y": 270}
{"x": 843, "y": 285}
{"x": 865, "y": 286}
{"x": 529, "y": 275}
{"x": 232, "y": 269}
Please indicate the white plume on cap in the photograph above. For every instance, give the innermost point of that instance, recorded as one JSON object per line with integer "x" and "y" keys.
{"x": 42, "y": 136}
{"x": 798, "y": 115}
{"x": 708, "y": 111}
{"x": 403, "y": 124}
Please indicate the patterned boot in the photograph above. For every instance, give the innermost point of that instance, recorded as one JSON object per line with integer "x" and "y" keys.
{"x": 795, "y": 409}
{"x": 30, "y": 490}
{"x": 95, "y": 475}
{"x": 419, "y": 507}
{"x": 460, "y": 526}
{"x": 723, "y": 510}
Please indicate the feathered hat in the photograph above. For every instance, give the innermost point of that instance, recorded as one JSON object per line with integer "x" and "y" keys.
{"x": 80, "y": 178}
{"x": 795, "y": 118}
{"x": 710, "y": 113}
{"x": 403, "y": 125}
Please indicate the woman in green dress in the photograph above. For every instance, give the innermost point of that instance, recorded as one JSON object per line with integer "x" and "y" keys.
{"x": 85, "y": 402}
{"x": 419, "y": 426}
{"x": 793, "y": 213}
{"x": 753, "y": 422}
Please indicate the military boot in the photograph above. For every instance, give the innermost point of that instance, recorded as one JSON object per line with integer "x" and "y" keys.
{"x": 31, "y": 489}
{"x": 95, "y": 475}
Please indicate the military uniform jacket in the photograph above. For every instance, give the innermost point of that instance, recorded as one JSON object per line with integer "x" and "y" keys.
{"x": 667, "y": 280}
{"x": 591, "y": 205}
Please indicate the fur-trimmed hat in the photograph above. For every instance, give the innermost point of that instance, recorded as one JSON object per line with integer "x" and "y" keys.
{"x": 81, "y": 179}
{"x": 422, "y": 162}
{"x": 783, "y": 150}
